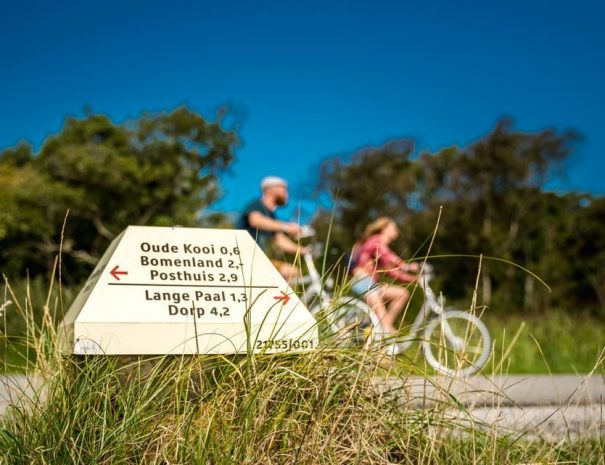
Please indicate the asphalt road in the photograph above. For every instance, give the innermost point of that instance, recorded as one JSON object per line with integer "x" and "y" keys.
{"x": 533, "y": 406}
{"x": 11, "y": 388}
{"x": 550, "y": 407}
{"x": 492, "y": 391}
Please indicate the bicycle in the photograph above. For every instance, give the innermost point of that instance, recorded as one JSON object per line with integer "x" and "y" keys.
{"x": 454, "y": 342}
{"x": 318, "y": 296}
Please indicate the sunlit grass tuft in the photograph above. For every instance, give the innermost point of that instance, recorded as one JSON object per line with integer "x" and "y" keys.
{"x": 323, "y": 407}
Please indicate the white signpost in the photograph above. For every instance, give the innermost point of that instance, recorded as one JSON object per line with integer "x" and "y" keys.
{"x": 162, "y": 290}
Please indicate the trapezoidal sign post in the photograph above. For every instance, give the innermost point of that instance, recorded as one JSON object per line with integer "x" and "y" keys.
{"x": 173, "y": 290}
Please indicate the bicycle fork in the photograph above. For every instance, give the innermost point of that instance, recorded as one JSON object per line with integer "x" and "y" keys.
{"x": 438, "y": 306}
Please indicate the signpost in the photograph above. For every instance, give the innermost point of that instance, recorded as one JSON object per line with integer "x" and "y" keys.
{"x": 162, "y": 290}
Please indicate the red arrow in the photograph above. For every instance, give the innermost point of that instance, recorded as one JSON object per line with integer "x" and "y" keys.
{"x": 115, "y": 272}
{"x": 283, "y": 297}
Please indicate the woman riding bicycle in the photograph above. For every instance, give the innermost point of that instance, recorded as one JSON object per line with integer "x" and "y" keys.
{"x": 373, "y": 257}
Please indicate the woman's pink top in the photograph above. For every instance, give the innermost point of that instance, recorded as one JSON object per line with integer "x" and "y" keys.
{"x": 374, "y": 257}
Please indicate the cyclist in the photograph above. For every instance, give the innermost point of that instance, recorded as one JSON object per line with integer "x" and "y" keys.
{"x": 373, "y": 257}
{"x": 258, "y": 218}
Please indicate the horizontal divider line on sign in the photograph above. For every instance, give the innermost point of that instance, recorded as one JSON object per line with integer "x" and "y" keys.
{"x": 195, "y": 285}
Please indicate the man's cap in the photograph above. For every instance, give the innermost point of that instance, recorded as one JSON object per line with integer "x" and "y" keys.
{"x": 271, "y": 181}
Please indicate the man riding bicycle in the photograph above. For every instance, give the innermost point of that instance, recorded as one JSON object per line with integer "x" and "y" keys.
{"x": 258, "y": 218}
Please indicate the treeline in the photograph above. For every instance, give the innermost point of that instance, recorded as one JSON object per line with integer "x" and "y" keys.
{"x": 164, "y": 169}
{"x": 161, "y": 169}
{"x": 493, "y": 203}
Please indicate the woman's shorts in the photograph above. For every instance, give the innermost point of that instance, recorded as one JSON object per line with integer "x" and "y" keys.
{"x": 363, "y": 285}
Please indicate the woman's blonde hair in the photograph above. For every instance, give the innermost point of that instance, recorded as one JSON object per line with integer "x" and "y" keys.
{"x": 377, "y": 226}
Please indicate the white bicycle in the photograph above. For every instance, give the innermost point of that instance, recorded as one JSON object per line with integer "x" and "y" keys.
{"x": 454, "y": 342}
{"x": 338, "y": 314}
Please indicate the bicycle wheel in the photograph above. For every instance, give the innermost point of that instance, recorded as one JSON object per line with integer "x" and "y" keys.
{"x": 348, "y": 318}
{"x": 456, "y": 343}
{"x": 324, "y": 322}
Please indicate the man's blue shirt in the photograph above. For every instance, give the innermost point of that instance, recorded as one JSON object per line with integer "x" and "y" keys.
{"x": 261, "y": 236}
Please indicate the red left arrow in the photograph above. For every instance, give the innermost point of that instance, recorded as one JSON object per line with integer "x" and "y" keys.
{"x": 283, "y": 297}
{"x": 115, "y": 273}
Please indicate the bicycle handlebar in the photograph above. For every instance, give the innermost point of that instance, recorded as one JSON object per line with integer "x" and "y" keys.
{"x": 315, "y": 250}
{"x": 427, "y": 267}
{"x": 306, "y": 231}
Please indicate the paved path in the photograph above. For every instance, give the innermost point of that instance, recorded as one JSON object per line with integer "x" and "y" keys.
{"x": 551, "y": 423}
{"x": 534, "y": 406}
{"x": 551, "y": 407}
{"x": 491, "y": 391}
{"x": 11, "y": 387}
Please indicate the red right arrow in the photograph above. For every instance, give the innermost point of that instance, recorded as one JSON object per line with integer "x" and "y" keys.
{"x": 283, "y": 297}
{"x": 115, "y": 273}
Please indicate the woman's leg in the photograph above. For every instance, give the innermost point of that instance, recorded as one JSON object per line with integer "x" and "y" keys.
{"x": 374, "y": 300}
{"x": 397, "y": 296}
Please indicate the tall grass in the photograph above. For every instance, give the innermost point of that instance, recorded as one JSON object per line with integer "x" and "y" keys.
{"x": 25, "y": 304}
{"x": 322, "y": 407}
{"x": 554, "y": 341}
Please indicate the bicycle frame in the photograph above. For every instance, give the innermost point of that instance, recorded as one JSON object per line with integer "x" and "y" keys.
{"x": 424, "y": 321}
{"x": 315, "y": 288}
{"x": 313, "y": 284}
{"x": 430, "y": 304}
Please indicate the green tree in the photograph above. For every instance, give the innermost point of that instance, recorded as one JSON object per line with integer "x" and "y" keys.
{"x": 493, "y": 199}
{"x": 161, "y": 169}
{"x": 375, "y": 182}
{"x": 586, "y": 247}
{"x": 488, "y": 187}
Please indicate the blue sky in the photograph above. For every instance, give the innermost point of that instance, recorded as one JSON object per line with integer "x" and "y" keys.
{"x": 312, "y": 79}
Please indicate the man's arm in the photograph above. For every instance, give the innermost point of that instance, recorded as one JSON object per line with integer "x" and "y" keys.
{"x": 262, "y": 222}
{"x": 285, "y": 244}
